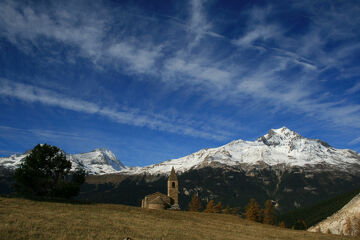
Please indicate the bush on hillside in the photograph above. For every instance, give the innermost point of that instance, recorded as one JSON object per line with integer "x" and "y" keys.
{"x": 210, "y": 206}
{"x": 227, "y": 209}
{"x": 45, "y": 172}
{"x": 195, "y": 204}
{"x": 269, "y": 214}
{"x": 218, "y": 208}
{"x": 253, "y": 211}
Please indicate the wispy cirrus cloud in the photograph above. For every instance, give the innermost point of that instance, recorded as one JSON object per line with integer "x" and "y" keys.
{"x": 79, "y": 28}
{"x": 24, "y": 24}
{"x": 198, "y": 25}
{"x": 354, "y": 88}
{"x": 127, "y": 116}
{"x": 43, "y": 133}
{"x": 265, "y": 65}
{"x": 140, "y": 60}
{"x": 355, "y": 141}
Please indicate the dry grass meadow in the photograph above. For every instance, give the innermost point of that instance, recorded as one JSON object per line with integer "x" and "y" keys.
{"x": 27, "y": 219}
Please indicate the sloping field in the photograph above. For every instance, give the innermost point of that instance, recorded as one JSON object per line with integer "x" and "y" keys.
{"x": 27, "y": 219}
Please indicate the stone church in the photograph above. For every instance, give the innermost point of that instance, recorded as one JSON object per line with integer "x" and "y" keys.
{"x": 161, "y": 201}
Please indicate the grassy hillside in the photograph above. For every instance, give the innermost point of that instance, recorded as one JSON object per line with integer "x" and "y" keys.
{"x": 27, "y": 219}
{"x": 318, "y": 212}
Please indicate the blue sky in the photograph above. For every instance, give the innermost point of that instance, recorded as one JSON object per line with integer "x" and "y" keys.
{"x": 154, "y": 80}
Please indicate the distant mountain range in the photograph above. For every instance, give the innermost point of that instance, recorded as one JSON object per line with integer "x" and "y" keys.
{"x": 279, "y": 147}
{"x": 99, "y": 161}
{"x": 283, "y": 166}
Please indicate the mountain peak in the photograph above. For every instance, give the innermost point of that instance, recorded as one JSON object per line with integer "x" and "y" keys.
{"x": 103, "y": 155}
{"x": 101, "y": 150}
{"x": 284, "y": 131}
{"x": 278, "y": 146}
{"x": 279, "y": 136}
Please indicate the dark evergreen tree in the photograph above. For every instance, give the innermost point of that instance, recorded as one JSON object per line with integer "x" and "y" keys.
{"x": 45, "y": 172}
{"x": 195, "y": 204}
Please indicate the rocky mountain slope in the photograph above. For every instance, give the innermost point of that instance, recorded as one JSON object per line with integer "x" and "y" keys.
{"x": 99, "y": 161}
{"x": 345, "y": 222}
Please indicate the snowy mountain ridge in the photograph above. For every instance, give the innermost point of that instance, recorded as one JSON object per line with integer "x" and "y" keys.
{"x": 278, "y": 146}
{"x": 98, "y": 161}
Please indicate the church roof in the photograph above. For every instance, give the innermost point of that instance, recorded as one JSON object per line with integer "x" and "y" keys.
{"x": 173, "y": 176}
{"x": 154, "y": 195}
{"x": 158, "y": 200}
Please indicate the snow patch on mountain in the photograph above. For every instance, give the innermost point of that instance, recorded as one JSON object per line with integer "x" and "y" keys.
{"x": 278, "y": 146}
{"x": 99, "y": 161}
{"x": 13, "y": 161}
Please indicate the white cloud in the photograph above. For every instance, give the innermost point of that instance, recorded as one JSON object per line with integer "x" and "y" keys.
{"x": 197, "y": 72}
{"x": 354, "y": 88}
{"x": 132, "y": 117}
{"x": 170, "y": 58}
{"x": 77, "y": 28}
{"x": 49, "y": 134}
{"x": 141, "y": 60}
{"x": 257, "y": 32}
{"x": 198, "y": 23}
{"x": 355, "y": 141}
{"x": 29, "y": 24}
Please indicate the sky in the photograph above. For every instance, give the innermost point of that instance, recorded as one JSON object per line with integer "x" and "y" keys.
{"x": 157, "y": 80}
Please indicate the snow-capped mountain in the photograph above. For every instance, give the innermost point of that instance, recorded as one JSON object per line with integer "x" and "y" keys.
{"x": 291, "y": 170}
{"x": 283, "y": 166}
{"x": 345, "y": 221}
{"x": 99, "y": 161}
{"x": 278, "y": 146}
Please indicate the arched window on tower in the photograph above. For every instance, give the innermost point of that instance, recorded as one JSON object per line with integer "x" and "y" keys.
{"x": 173, "y": 184}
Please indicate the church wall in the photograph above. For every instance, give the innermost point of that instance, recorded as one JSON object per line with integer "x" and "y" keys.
{"x": 156, "y": 206}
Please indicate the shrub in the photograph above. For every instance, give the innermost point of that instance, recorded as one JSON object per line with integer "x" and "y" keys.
{"x": 269, "y": 215}
{"x": 195, "y": 204}
{"x": 253, "y": 211}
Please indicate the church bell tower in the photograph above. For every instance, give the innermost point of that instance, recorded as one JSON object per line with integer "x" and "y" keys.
{"x": 173, "y": 186}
